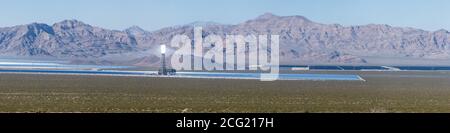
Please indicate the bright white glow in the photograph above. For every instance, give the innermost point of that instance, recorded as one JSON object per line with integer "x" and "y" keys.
{"x": 163, "y": 49}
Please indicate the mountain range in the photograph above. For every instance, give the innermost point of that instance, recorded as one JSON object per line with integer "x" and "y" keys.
{"x": 302, "y": 41}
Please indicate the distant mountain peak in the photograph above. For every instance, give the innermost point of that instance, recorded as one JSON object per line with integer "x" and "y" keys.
{"x": 441, "y": 31}
{"x": 267, "y": 15}
{"x": 203, "y": 23}
{"x": 71, "y": 23}
{"x": 302, "y": 17}
{"x": 135, "y": 30}
{"x": 38, "y": 27}
{"x": 37, "y": 24}
{"x": 273, "y": 17}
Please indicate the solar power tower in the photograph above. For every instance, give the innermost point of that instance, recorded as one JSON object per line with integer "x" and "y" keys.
{"x": 163, "y": 69}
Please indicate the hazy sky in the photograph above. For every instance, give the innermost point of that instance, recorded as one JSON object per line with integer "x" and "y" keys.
{"x": 155, "y": 14}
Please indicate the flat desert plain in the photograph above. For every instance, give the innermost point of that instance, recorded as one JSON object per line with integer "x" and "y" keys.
{"x": 402, "y": 91}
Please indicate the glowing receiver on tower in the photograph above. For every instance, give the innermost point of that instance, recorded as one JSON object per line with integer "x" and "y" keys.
{"x": 163, "y": 49}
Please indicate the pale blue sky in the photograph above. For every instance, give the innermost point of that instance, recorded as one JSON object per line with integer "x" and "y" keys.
{"x": 155, "y": 14}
